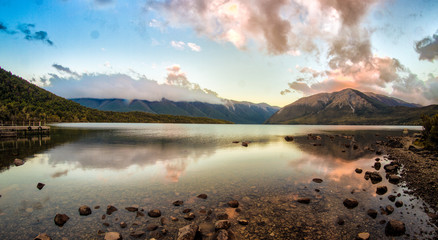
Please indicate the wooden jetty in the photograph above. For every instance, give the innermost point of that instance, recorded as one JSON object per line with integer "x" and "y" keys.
{"x": 20, "y": 131}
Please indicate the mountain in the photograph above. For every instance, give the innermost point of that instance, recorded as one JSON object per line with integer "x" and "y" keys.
{"x": 237, "y": 112}
{"x": 22, "y": 101}
{"x": 351, "y": 106}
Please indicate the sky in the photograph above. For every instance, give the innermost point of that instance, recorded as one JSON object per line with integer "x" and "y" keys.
{"x": 272, "y": 51}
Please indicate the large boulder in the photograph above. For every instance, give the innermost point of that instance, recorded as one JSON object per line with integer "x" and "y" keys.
{"x": 395, "y": 228}
{"x": 187, "y": 232}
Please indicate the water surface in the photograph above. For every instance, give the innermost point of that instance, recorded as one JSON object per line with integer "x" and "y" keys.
{"x": 152, "y": 165}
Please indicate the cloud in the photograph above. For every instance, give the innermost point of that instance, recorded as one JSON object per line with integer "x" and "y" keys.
{"x": 278, "y": 26}
{"x": 103, "y": 2}
{"x": 176, "y": 88}
{"x": 34, "y": 36}
{"x": 4, "y": 29}
{"x": 194, "y": 47}
{"x": 180, "y": 45}
{"x": 67, "y": 70}
{"x": 428, "y": 48}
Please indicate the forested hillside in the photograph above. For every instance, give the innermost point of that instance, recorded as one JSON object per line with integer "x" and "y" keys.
{"x": 23, "y": 101}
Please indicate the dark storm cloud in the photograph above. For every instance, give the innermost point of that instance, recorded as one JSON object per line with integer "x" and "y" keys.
{"x": 428, "y": 48}
{"x": 27, "y": 30}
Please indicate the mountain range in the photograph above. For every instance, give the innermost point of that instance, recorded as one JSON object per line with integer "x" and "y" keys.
{"x": 22, "y": 101}
{"x": 237, "y": 112}
{"x": 351, "y": 106}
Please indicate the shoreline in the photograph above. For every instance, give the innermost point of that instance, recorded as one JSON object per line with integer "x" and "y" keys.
{"x": 419, "y": 171}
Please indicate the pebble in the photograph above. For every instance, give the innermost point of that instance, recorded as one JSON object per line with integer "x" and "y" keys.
{"x": 110, "y": 209}
{"x": 84, "y": 210}
{"x": 395, "y": 228}
{"x": 381, "y": 190}
{"x": 233, "y": 203}
{"x": 304, "y": 200}
{"x": 358, "y": 170}
{"x": 202, "y": 196}
{"x": 178, "y": 203}
{"x": 42, "y": 236}
{"x": 317, "y": 180}
{"x": 372, "y": 213}
{"x": 363, "y": 236}
{"x": 154, "y": 213}
{"x": 113, "y": 236}
{"x": 350, "y": 203}
{"x": 40, "y": 185}
{"x": 61, "y": 219}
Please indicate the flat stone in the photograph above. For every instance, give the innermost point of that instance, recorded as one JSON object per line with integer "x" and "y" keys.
{"x": 178, "y": 203}
{"x": 187, "y": 232}
{"x": 202, "y": 196}
{"x": 84, "y": 210}
{"x": 243, "y": 222}
{"x": 350, "y": 203}
{"x": 317, "y": 180}
{"x": 304, "y": 200}
{"x": 154, "y": 213}
{"x": 61, "y": 219}
{"x": 113, "y": 236}
{"x": 131, "y": 209}
{"x": 110, "y": 209}
{"x": 363, "y": 236}
{"x": 189, "y": 216}
{"x": 137, "y": 234}
{"x": 42, "y": 236}
{"x": 222, "y": 235}
{"x": 151, "y": 227}
{"x": 395, "y": 228}
{"x": 222, "y": 224}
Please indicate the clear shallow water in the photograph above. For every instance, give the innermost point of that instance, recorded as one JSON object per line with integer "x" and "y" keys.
{"x": 152, "y": 165}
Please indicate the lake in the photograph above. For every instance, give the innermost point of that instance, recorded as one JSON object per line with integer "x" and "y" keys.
{"x": 149, "y": 166}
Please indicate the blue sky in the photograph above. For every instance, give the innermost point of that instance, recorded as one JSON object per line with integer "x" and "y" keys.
{"x": 258, "y": 51}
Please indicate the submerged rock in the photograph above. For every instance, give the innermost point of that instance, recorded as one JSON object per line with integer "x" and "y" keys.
{"x": 113, "y": 236}
{"x": 304, "y": 200}
{"x": 395, "y": 228}
{"x": 350, "y": 203}
{"x": 233, "y": 203}
{"x": 381, "y": 190}
{"x": 154, "y": 213}
{"x": 42, "y": 236}
{"x": 317, "y": 180}
{"x": 137, "y": 234}
{"x": 61, "y": 219}
{"x": 187, "y": 232}
{"x": 289, "y": 138}
{"x": 394, "y": 179}
{"x": 202, "y": 196}
{"x": 374, "y": 176}
{"x": 372, "y": 213}
{"x": 178, "y": 203}
{"x": 18, "y": 162}
{"x": 84, "y": 210}
{"x": 110, "y": 209}
{"x": 151, "y": 227}
{"x": 131, "y": 209}
{"x": 389, "y": 209}
{"x": 40, "y": 185}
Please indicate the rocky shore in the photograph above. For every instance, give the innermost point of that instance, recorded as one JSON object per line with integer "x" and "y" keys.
{"x": 419, "y": 170}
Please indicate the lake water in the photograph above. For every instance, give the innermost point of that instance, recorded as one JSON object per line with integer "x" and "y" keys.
{"x": 152, "y": 165}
